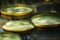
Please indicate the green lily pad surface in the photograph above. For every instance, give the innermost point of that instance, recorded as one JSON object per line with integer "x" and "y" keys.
{"x": 45, "y": 19}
